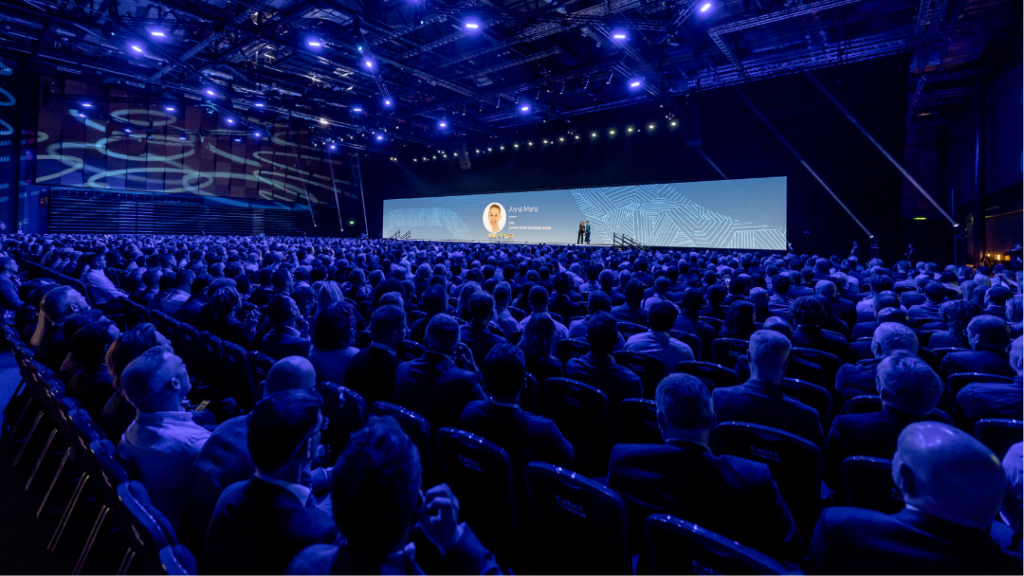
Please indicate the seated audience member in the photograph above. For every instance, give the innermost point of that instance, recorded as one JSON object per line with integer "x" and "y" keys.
{"x": 72, "y": 364}
{"x": 657, "y": 342}
{"x": 198, "y": 297}
{"x": 885, "y": 301}
{"x": 781, "y": 302}
{"x": 117, "y": 413}
{"x": 565, "y": 302}
{"x": 956, "y": 316}
{"x": 760, "y": 399}
{"x": 434, "y": 301}
{"x": 166, "y": 284}
{"x": 844, "y": 309}
{"x": 10, "y": 299}
{"x": 662, "y": 286}
{"x": 952, "y": 486}
{"x": 285, "y": 338}
{"x": 796, "y": 368}
{"x": 476, "y": 334}
{"x": 150, "y": 286}
{"x": 260, "y": 524}
{"x": 737, "y": 288}
{"x": 177, "y": 294}
{"x": 1012, "y": 509}
{"x": 598, "y": 302}
{"x": 760, "y": 299}
{"x": 224, "y": 304}
{"x": 93, "y": 384}
{"x": 539, "y": 305}
{"x": 1015, "y": 314}
{"x": 371, "y": 372}
{"x": 224, "y": 459}
{"x": 163, "y": 441}
{"x": 909, "y": 389}
{"x": 376, "y": 499}
{"x": 598, "y": 369}
{"x": 502, "y": 317}
{"x": 715, "y": 297}
{"x": 995, "y": 300}
{"x": 731, "y": 496}
{"x": 56, "y": 307}
{"x": 935, "y": 294}
{"x": 809, "y": 316}
{"x": 739, "y": 322}
{"x": 859, "y": 379}
{"x": 878, "y": 284}
{"x": 98, "y": 287}
{"x": 993, "y": 399}
{"x": 989, "y": 337}
{"x": 439, "y": 384}
{"x": 689, "y": 320}
{"x": 538, "y": 345}
{"x": 633, "y": 310}
{"x": 525, "y": 436}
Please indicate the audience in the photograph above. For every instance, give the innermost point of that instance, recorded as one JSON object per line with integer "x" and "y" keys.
{"x": 656, "y": 341}
{"x": 477, "y": 333}
{"x": 93, "y": 384}
{"x": 989, "y": 337}
{"x": 859, "y": 379}
{"x": 332, "y": 348}
{"x": 994, "y": 399}
{"x": 371, "y": 371}
{"x": 598, "y": 369}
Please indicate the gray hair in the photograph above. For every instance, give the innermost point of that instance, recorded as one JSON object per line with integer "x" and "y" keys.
{"x": 769, "y": 349}
{"x": 826, "y": 288}
{"x": 907, "y": 383}
{"x": 891, "y": 337}
{"x": 685, "y": 402}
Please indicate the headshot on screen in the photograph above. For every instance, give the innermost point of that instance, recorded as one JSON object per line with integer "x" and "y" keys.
{"x": 494, "y": 217}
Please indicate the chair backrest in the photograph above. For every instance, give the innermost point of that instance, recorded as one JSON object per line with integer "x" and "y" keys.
{"x": 347, "y": 412}
{"x": 940, "y": 353}
{"x": 413, "y": 424}
{"x": 998, "y": 434}
{"x": 715, "y": 323}
{"x": 795, "y": 463}
{"x": 649, "y": 368}
{"x": 191, "y": 351}
{"x": 139, "y": 518}
{"x": 580, "y": 525}
{"x": 691, "y": 340}
{"x": 812, "y": 395}
{"x": 863, "y": 404}
{"x": 638, "y": 422}
{"x": 177, "y": 561}
{"x": 105, "y": 472}
{"x": 829, "y": 363}
{"x": 581, "y": 412}
{"x": 713, "y": 375}
{"x": 929, "y": 358}
{"x": 211, "y": 355}
{"x": 528, "y": 396}
{"x": 480, "y": 474}
{"x": 573, "y": 319}
{"x": 957, "y": 381}
{"x": 415, "y": 315}
{"x": 627, "y": 329}
{"x": 568, "y": 349}
{"x": 726, "y": 351}
{"x": 238, "y": 375}
{"x": 411, "y": 350}
{"x": 680, "y": 547}
{"x": 867, "y": 482}
{"x": 259, "y": 365}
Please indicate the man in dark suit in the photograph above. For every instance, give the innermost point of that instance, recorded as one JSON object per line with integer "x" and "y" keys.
{"x": 993, "y": 399}
{"x": 859, "y": 379}
{"x": 809, "y": 316}
{"x": 565, "y": 302}
{"x": 883, "y": 301}
{"x": 910, "y": 390}
{"x": 598, "y": 369}
{"x": 260, "y": 524}
{"x": 371, "y": 372}
{"x": 284, "y": 339}
{"x": 995, "y": 300}
{"x": 689, "y": 318}
{"x": 989, "y": 337}
{"x": 796, "y": 368}
{"x": 780, "y": 301}
{"x": 916, "y": 296}
{"x": 731, "y": 496}
{"x": 715, "y": 297}
{"x": 928, "y": 311}
{"x": 844, "y": 309}
{"x": 438, "y": 385}
{"x": 633, "y": 310}
{"x": 952, "y": 486}
{"x": 477, "y": 334}
{"x": 760, "y": 400}
{"x": 434, "y": 301}
{"x": 376, "y": 499}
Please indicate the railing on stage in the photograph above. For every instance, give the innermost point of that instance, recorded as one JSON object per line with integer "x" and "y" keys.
{"x": 399, "y": 236}
{"x": 623, "y": 241}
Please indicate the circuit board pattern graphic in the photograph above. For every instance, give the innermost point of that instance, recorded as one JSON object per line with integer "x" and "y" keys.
{"x": 420, "y": 218}
{"x": 659, "y": 215}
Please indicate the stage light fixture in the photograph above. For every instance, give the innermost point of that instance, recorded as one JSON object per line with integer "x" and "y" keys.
{"x": 593, "y": 134}
{"x": 673, "y": 123}
{"x": 380, "y": 137}
{"x": 442, "y": 124}
{"x": 81, "y": 115}
{"x": 86, "y": 105}
{"x": 314, "y": 43}
{"x": 238, "y": 138}
{"x": 515, "y": 145}
{"x": 501, "y": 147}
{"x": 577, "y": 136}
{"x": 323, "y": 120}
{"x": 258, "y": 104}
{"x": 472, "y": 24}
{"x": 650, "y": 126}
{"x": 334, "y": 147}
{"x": 529, "y": 143}
{"x": 127, "y": 130}
{"x": 524, "y": 108}
{"x": 387, "y": 101}
{"x": 181, "y": 137}
{"x": 619, "y": 35}
{"x": 230, "y": 120}
{"x": 169, "y": 108}
{"x": 136, "y": 48}
{"x": 368, "y": 63}
{"x": 612, "y": 132}
{"x": 561, "y": 138}
{"x": 158, "y": 33}
{"x": 257, "y": 134}
{"x": 357, "y": 109}
{"x": 705, "y": 7}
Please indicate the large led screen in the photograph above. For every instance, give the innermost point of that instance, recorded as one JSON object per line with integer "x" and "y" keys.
{"x": 745, "y": 214}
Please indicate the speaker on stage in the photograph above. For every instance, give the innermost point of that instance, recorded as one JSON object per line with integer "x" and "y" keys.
{"x": 691, "y": 124}
{"x": 463, "y": 156}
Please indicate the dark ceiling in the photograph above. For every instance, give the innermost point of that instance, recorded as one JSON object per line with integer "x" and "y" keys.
{"x": 410, "y": 66}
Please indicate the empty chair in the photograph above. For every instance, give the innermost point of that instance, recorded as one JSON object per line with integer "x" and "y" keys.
{"x": 998, "y": 434}
{"x": 649, "y": 368}
{"x": 480, "y": 474}
{"x": 580, "y": 525}
{"x": 680, "y": 547}
{"x": 725, "y": 351}
{"x": 863, "y": 404}
{"x": 714, "y": 375}
{"x": 238, "y": 379}
{"x": 691, "y": 340}
{"x": 867, "y": 483}
{"x": 812, "y": 395}
{"x": 795, "y": 463}
{"x": 568, "y": 349}
{"x": 416, "y": 427}
{"x": 581, "y": 412}
{"x": 638, "y": 422}
{"x": 957, "y": 381}
{"x": 259, "y": 365}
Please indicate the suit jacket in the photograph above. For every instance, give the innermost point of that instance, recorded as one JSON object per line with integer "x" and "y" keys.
{"x": 284, "y": 341}
{"x": 624, "y": 314}
{"x": 371, "y": 373}
{"x": 92, "y": 387}
{"x": 814, "y": 337}
{"x": 479, "y": 341}
{"x": 731, "y": 496}
{"x": 912, "y": 298}
{"x": 845, "y": 309}
{"x": 601, "y": 372}
{"x": 926, "y": 311}
{"x": 221, "y": 462}
{"x": 759, "y": 403}
{"x": 525, "y": 436}
{"x": 258, "y": 527}
{"x": 230, "y": 329}
{"x": 858, "y": 541}
{"x": 990, "y": 400}
{"x": 983, "y": 361}
{"x": 435, "y": 388}
{"x": 858, "y": 379}
{"x": 942, "y": 340}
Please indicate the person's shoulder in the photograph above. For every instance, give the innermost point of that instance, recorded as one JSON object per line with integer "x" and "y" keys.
{"x": 854, "y": 521}
{"x": 313, "y": 560}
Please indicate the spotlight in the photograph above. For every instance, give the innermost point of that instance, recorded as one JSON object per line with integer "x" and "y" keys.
{"x": 529, "y": 143}
{"x": 368, "y": 63}
{"x": 380, "y": 137}
{"x": 515, "y": 145}
{"x": 673, "y": 123}
{"x": 360, "y": 48}
{"x": 258, "y": 104}
{"x": 630, "y": 129}
{"x": 501, "y": 147}
{"x": 86, "y": 105}
{"x": 81, "y": 115}
{"x": 314, "y": 43}
{"x": 323, "y": 120}
{"x": 472, "y": 25}
{"x": 619, "y": 36}
{"x": 169, "y": 108}
{"x": 650, "y": 126}
{"x": 612, "y": 132}
{"x": 158, "y": 33}
{"x": 524, "y": 108}
{"x": 357, "y": 109}
{"x": 257, "y": 134}
{"x": 127, "y": 130}
{"x": 561, "y": 138}
{"x": 238, "y": 138}
{"x": 705, "y": 7}
{"x": 230, "y": 120}
{"x": 334, "y": 147}
{"x": 577, "y": 136}
{"x": 211, "y": 93}
{"x": 136, "y": 48}
{"x": 442, "y": 124}
{"x": 387, "y": 101}
{"x": 593, "y": 134}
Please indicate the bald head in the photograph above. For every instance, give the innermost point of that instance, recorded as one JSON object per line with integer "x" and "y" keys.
{"x": 291, "y": 373}
{"x": 946, "y": 473}
{"x": 896, "y": 315}
{"x": 156, "y": 381}
{"x": 987, "y": 332}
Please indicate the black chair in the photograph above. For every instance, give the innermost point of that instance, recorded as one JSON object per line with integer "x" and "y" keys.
{"x": 146, "y": 528}
{"x": 725, "y": 351}
{"x": 940, "y": 353}
{"x": 580, "y": 525}
{"x": 581, "y": 412}
{"x": 998, "y": 434}
{"x": 812, "y": 395}
{"x": 259, "y": 365}
{"x": 568, "y": 349}
{"x": 680, "y": 547}
{"x": 191, "y": 348}
{"x": 347, "y": 412}
{"x": 957, "y": 381}
{"x": 649, "y": 368}
{"x": 105, "y": 474}
{"x": 415, "y": 315}
{"x": 868, "y": 483}
{"x": 238, "y": 376}
{"x": 638, "y": 422}
{"x": 929, "y": 358}
{"x": 795, "y": 463}
{"x": 529, "y": 395}
{"x": 628, "y": 329}
{"x": 713, "y": 375}
{"x": 414, "y": 425}
{"x": 829, "y": 363}
{"x": 177, "y": 561}
{"x": 410, "y": 350}
{"x": 691, "y": 340}
{"x": 715, "y": 323}
{"x": 84, "y": 434}
{"x": 864, "y": 404}
{"x": 480, "y": 474}
{"x": 211, "y": 356}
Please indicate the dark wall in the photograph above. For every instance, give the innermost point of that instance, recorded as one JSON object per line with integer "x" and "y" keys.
{"x": 732, "y": 137}
{"x": 11, "y": 113}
